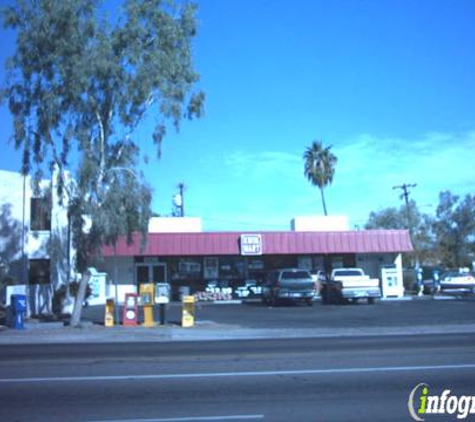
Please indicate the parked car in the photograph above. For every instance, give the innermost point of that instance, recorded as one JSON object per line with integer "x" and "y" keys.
{"x": 290, "y": 284}
{"x": 458, "y": 280}
{"x": 350, "y": 284}
{"x": 249, "y": 290}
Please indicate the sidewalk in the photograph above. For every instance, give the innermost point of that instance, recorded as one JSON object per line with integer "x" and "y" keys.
{"x": 55, "y": 333}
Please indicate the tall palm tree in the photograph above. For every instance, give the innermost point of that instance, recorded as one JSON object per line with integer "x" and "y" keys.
{"x": 319, "y": 167}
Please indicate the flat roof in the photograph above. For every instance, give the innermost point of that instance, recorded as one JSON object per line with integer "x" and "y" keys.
{"x": 273, "y": 243}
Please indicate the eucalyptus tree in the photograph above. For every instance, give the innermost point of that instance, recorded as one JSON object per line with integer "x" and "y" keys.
{"x": 79, "y": 84}
{"x": 319, "y": 167}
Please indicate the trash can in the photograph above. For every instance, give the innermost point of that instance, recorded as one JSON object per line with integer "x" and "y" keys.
{"x": 18, "y": 304}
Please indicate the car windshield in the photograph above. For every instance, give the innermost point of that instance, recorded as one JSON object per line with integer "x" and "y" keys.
{"x": 286, "y": 275}
{"x": 345, "y": 273}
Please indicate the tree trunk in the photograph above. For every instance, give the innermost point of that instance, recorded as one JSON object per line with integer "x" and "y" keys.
{"x": 76, "y": 316}
{"x": 323, "y": 203}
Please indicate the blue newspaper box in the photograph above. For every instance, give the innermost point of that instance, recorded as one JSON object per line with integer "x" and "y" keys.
{"x": 18, "y": 303}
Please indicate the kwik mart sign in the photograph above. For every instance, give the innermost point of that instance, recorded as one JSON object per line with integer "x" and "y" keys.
{"x": 251, "y": 244}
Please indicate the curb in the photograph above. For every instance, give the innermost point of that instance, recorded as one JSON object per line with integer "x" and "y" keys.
{"x": 206, "y": 331}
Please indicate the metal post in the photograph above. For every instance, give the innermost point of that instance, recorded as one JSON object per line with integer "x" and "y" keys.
{"x": 23, "y": 266}
{"x": 116, "y": 307}
{"x": 182, "y": 207}
{"x": 24, "y": 258}
{"x": 163, "y": 318}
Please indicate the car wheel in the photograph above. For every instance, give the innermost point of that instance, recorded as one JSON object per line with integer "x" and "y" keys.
{"x": 371, "y": 301}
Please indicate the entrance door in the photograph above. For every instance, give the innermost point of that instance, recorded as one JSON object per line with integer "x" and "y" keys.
{"x": 150, "y": 273}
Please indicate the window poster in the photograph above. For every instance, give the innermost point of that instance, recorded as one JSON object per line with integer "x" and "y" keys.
{"x": 211, "y": 268}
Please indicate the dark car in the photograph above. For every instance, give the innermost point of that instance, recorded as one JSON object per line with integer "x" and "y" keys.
{"x": 290, "y": 284}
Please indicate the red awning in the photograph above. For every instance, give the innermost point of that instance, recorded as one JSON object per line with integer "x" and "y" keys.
{"x": 273, "y": 243}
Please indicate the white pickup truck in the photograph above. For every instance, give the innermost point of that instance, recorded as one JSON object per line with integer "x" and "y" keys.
{"x": 350, "y": 284}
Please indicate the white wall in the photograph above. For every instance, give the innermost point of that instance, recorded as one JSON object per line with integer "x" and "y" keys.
{"x": 15, "y": 195}
{"x": 320, "y": 223}
{"x": 11, "y": 220}
{"x": 175, "y": 225}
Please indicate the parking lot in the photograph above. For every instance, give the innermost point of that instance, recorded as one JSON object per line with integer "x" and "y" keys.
{"x": 394, "y": 313}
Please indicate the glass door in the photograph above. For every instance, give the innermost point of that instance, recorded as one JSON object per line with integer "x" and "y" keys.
{"x": 142, "y": 273}
{"x": 150, "y": 273}
{"x": 159, "y": 273}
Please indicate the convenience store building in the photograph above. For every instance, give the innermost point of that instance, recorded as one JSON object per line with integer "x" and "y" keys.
{"x": 190, "y": 261}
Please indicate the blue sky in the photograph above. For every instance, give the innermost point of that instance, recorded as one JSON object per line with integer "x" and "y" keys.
{"x": 390, "y": 84}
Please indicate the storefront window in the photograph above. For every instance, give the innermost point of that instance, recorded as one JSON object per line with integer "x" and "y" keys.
{"x": 210, "y": 268}
{"x": 186, "y": 269}
{"x": 232, "y": 268}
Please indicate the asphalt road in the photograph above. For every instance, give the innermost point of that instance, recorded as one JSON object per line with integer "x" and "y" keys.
{"x": 328, "y": 379}
{"x": 404, "y": 313}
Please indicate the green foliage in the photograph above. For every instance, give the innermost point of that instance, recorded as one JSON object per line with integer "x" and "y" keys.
{"x": 455, "y": 229}
{"x": 78, "y": 86}
{"x": 407, "y": 218}
{"x": 319, "y": 167}
{"x": 448, "y": 238}
{"x": 387, "y": 218}
{"x": 80, "y": 83}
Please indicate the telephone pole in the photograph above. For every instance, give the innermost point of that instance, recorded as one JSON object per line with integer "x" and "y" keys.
{"x": 179, "y": 201}
{"x": 181, "y": 186}
{"x": 405, "y": 191}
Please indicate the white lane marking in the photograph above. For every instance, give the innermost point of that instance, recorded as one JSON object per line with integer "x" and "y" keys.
{"x": 192, "y": 418}
{"x": 239, "y": 374}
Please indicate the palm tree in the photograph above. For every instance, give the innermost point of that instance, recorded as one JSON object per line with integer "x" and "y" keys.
{"x": 319, "y": 167}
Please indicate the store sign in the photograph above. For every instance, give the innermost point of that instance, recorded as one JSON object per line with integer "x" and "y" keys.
{"x": 251, "y": 244}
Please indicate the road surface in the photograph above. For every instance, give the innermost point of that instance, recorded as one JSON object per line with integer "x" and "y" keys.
{"x": 326, "y": 379}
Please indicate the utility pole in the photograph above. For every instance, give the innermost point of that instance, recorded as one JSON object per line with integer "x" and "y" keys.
{"x": 179, "y": 201}
{"x": 405, "y": 194}
{"x": 181, "y": 186}
{"x": 405, "y": 191}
